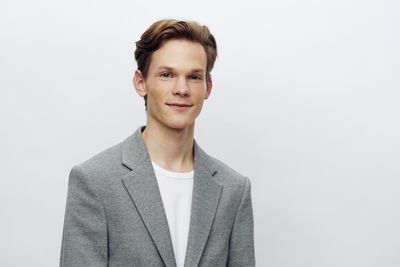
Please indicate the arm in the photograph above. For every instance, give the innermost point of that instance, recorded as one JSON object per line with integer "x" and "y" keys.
{"x": 241, "y": 246}
{"x": 84, "y": 241}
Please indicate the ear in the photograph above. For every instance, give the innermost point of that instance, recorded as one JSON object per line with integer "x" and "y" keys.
{"x": 209, "y": 87}
{"x": 139, "y": 83}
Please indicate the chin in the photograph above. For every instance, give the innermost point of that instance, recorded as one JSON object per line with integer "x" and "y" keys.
{"x": 173, "y": 121}
{"x": 179, "y": 125}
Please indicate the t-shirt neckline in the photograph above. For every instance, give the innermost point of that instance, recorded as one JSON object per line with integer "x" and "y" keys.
{"x": 171, "y": 174}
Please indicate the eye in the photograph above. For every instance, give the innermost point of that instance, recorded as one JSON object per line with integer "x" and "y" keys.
{"x": 166, "y": 75}
{"x": 195, "y": 77}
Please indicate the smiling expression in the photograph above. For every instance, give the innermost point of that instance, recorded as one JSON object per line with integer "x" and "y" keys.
{"x": 176, "y": 84}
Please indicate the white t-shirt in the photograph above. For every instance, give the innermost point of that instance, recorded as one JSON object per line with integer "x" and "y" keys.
{"x": 176, "y": 193}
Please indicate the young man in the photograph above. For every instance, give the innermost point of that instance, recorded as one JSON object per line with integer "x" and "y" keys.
{"x": 156, "y": 198}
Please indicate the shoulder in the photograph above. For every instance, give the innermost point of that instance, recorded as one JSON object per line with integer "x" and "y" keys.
{"x": 236, "y": 186}
{"x": 100, "y": 168}
{"x": 225, "y": 174}
{"x": 103, "y": 160}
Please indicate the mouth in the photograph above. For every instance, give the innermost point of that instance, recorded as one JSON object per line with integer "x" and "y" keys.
{"x": 179, "y": 105}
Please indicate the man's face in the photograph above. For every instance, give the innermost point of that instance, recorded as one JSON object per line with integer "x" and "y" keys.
{"x": 176, "y": 84}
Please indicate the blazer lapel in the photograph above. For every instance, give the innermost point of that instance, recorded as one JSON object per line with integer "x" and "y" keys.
{"x": 142, "y": 186}
{"x": 205, "y": 199}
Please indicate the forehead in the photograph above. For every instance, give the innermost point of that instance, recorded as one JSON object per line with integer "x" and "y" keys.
{"x": 179, "y": 54}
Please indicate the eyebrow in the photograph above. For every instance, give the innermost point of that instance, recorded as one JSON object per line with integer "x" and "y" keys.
{"x": 172, "y": 69}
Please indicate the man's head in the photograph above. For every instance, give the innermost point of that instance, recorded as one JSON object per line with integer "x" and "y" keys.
{"x": 163, "y": 30}
{"x": 169, "y": 29}
{"x": 174, "y": 63}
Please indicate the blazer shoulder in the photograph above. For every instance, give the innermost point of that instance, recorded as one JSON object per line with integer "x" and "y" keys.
{"x": 227, "y": 175}
{"x": 235, "y": 184}
{"x": 101, "y": 166}
{"x": 102, "y": 159}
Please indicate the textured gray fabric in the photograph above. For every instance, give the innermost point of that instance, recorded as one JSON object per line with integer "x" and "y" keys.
{"x": 115, "y": 216}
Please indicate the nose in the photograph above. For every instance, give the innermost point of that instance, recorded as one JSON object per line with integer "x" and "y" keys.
{"x": 181, "y": 88}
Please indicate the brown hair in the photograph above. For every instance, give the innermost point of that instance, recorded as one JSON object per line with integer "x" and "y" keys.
{"x": 163, "y": 30}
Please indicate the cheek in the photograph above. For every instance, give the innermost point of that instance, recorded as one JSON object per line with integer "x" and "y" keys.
{"x": 202, "y": 93}
{"x": 199, "y": 90}
{"x": 159, "y": 91}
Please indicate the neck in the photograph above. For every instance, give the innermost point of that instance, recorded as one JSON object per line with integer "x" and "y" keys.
{"x": 172, "y": 149}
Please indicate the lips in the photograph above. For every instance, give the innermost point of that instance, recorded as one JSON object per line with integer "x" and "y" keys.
{"x": 180, "y": 105}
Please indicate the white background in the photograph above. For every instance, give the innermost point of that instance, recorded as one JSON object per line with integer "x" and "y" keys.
{"x": 305, "y": 102}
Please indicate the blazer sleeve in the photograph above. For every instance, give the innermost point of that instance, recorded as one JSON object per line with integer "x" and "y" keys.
{"x": 241, "y": 246}
{"x": 84, "y": 241}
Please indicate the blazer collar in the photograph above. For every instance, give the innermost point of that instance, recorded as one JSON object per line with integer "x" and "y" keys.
{"x": 142, "y": 186}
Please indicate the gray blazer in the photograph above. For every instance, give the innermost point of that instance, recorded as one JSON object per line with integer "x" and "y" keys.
{"x": 115, "y": 215}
